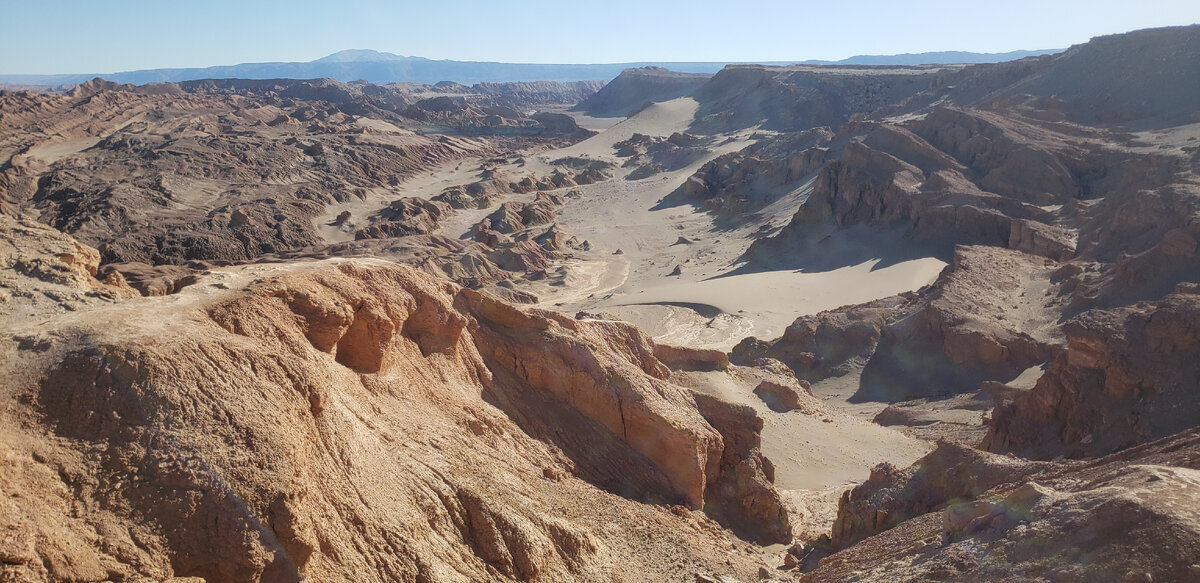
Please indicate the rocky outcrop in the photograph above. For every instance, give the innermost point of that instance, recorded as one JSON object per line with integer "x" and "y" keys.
{"x": 483, "y": 193}
{"x": 1003, "y": 160}
{"x": 740, "y": 183}
{"x": 362, "y": 406}
{"x": 893, "y": 416}
{"x": 921, "y": 192}
{"x": 741, "y": 493}
{"x": 1042, "y": 240}
{"x": 654, "y": 154}
{"x": 403, "y": 217}
{"x": 783, "y": 397}
{"x": 153, "y": 280}
{"x": 556, "y": 239}
{"x": 829, "y": 343}
{"x": 648, "y": 414}
{"x": 976, "y": 516}
{"x": 685, "y": 358}
{"x": 1145, "y": 242}
{"x": 891, "y": 495}
{"x": 990, "y": 316}
{"x": 724, "y": 186}
{"x": 1128, "y": 376}
{"x": 42, "y": 270}
{"x": 467, "y": 197}
{"x": 512, "y": 217}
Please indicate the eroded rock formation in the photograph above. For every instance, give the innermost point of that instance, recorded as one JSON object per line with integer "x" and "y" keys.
{"x": 296, "y": 428}
{"x": 1128, "y": 375}
{"x": 973, "y": 515}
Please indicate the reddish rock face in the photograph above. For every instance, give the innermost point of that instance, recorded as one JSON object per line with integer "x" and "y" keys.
{"x": 310, "y": 376}
{"x": 783, "y": 397}
{"x": 740, "y": 493}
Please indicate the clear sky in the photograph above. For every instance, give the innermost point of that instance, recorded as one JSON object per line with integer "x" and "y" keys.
{"x": 104, "y": 36}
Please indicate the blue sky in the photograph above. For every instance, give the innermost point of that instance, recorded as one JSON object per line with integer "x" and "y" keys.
{"x": 104, "y": 36}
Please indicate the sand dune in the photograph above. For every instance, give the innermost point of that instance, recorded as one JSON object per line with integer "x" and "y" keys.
{"x": 772, "y": 300}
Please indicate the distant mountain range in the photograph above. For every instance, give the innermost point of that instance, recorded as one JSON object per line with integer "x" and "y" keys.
{"x": 935, "y": 58}
{"x": 380, "y": 67}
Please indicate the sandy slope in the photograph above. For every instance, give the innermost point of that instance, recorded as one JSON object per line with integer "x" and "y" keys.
{"x": 635, "y": 249}
{"x": 817, "y": 454}
{"x": 586, "y": 121}
{"x": 616, "y": 215}
{"x": 772, "y": 300}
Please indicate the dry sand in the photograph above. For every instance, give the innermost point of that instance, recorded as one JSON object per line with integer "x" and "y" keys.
{"x": 774, "y": 299}
{"x": 700, "y": 307}
{"x": 817, "y": 454}
{"x": 596, "y": 124}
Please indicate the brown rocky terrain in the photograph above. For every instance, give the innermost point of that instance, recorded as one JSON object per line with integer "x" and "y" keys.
{"x": 1046, "y": 207}
{"x": 1128, "y": 375}
{"x": 229, "y": 170}
{"x": 1081, "y": 209}
{"x": 964, "y": 515}
{"x": 346, "y": 423}
{"x": 290, "y": 330}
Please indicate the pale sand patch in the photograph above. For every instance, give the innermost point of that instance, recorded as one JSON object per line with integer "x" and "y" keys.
{"x": 382, "y": 126}
{"x": 585, "y": 121}
{"x": 51, "y": 152}
{"x": 582, "y": 280}
{"x": 684, "y": 326}
{"x": 772, "y": 300}
{"x": 809, "y": 452}
{"x": 659, "y": 119}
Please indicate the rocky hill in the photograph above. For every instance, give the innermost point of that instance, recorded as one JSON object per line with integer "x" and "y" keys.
{"x": 635, "y": 87}
{"x": 1081, "y": 208}
{"x": 336, "y": 413}
{"x": 303, "y": 330}
{"x": 973, "y": 515}
{"x": 1066, "y": 203}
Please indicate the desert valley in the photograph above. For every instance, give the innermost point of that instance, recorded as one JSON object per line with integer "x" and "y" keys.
{"x": 810, "y": 323}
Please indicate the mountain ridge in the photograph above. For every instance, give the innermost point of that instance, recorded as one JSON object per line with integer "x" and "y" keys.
{"x": 382, "y": 67}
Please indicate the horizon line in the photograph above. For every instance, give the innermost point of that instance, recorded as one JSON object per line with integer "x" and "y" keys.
{"x": 598, "y": 64}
